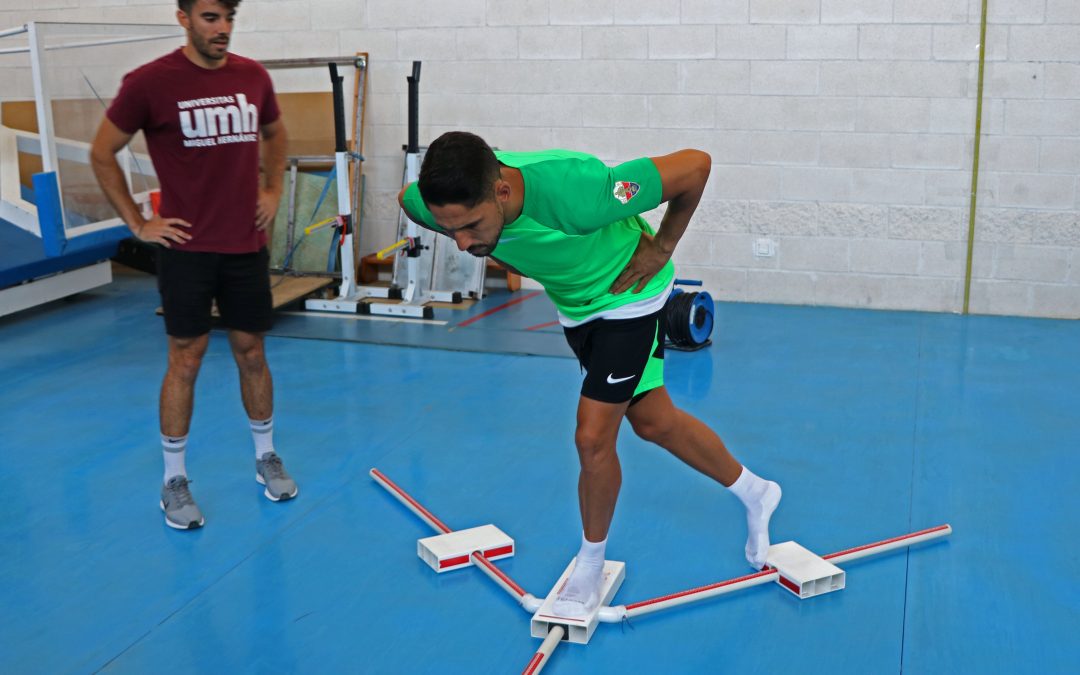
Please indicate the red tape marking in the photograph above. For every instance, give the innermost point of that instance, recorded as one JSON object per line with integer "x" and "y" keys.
{"x": 794, "y": 588}
{"x": 543, "y": 325}
{"x": 537, "y": 659}
{"x": 500, "y": 308}
{"x": 502, "y": 550}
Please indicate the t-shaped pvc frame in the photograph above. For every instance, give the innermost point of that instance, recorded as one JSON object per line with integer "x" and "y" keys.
{"x": 615, "y": 614}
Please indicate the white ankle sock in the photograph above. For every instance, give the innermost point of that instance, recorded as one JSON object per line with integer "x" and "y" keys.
{"x": 173, "y": 449}
{"x": 760, "y": 497}
{"x": 581, "y": 592}
{"x": 262, "y": 431}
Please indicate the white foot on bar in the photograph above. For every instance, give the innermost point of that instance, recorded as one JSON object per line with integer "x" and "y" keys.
{"x": 581, "y": 592}
{"x": 757, "y": 523}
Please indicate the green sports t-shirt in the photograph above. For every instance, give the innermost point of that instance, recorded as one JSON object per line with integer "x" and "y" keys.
{"x": 578, "y": 228}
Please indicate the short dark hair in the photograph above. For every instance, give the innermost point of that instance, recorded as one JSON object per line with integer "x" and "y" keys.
{"x": 186, "y": 5}
{"x": 459, "y": 168}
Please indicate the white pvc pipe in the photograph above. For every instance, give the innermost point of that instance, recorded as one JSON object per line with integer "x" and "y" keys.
{"x": 890, "y": 544}
{"x": 531, "y": 604}
{"x": 617, "y": 613}
{"x": 498, "y": 576}
{"x": 409, "y": 503}
{"x": 634, "y": 609}
{"x": 527, "y": 600}
{"x": 540, "y": 658}
{"x": 696, "y": 594}
{"x": 611, "y": 614}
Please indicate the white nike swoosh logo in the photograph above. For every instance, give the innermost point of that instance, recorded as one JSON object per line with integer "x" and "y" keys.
{"x": 503, "y": 240}
{"x": 613, "y": 380}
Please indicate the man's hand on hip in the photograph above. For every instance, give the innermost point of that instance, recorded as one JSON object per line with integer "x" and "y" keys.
{"x": 164, "y": 231}
{"x": 648, "y": 259}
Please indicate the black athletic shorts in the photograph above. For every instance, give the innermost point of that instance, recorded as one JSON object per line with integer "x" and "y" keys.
{"x": 623, "y": 358}
{"x": 189, "y": 282}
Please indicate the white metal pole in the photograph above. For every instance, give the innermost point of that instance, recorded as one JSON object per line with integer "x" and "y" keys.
{"x": 412, "y": 263}
{"x": 13, "y": 31}
{"x": 345, "y": 209}
{"x": 44, "y": 113}
{"x": 765, "y": 576}
{"x": 76, "y": 45}
{"x": 41, "y": 99}
{"x": 543, "y": 654}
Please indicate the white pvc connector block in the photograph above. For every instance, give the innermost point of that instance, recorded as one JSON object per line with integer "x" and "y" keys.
{"x": 803, "y": 572}
{"x": 453, "y": 550}
{"x": 577, "y": 630}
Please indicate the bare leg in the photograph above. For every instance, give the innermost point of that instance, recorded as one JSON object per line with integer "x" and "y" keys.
{"x": 601, "y": 475}
{"x": 175, "y": 407}
{"x": 655, "y": 418}
{"x": 178, "y": 388}
{"x": 598, "y": 490}
{"x": 256, "y": 385}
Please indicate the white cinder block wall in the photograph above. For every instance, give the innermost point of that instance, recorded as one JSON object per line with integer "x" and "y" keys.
{"x": 841, "y": 130}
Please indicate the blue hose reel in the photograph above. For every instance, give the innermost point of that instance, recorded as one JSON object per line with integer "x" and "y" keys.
{"x": 688, "y": 318}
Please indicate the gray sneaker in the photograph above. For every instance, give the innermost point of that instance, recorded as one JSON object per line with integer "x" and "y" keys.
{"x": 269, "y": 471}
{"x": 180, "y": 510}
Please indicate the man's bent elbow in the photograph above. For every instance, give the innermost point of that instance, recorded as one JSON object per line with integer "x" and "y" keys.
{"x": 702, "y": 164}
{"x": 694, "y": 168}
{"x": 101, "y": 157}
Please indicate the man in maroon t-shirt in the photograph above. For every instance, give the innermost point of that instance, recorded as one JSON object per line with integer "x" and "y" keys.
{"x": 203, "y": 113}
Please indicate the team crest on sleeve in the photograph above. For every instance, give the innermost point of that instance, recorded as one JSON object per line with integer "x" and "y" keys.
{"x": 625, "y": 190}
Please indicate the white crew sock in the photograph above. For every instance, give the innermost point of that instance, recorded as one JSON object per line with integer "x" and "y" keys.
{"x": 262, "y": 431}
{"x": 581, "y": 592}
{"x": 760, "y": 497}
{"x": 173, "y": 449}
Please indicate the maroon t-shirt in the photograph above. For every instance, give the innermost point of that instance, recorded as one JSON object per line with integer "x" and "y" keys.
{"x": 202, "y": 130}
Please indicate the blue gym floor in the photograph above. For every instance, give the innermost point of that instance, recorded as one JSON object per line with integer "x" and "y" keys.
{"x": 875, "y": 423}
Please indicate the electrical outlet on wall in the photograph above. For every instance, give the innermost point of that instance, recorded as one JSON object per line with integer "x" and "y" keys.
{"x": 764, "y": 248}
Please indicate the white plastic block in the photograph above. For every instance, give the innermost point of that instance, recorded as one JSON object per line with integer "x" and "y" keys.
{"x": 451, "y": 551}
{"x": 577, "y": 630}
{"x": 804, "y": 573}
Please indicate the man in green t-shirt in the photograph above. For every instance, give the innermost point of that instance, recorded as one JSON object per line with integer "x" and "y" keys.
{"x": 573, "y": 224}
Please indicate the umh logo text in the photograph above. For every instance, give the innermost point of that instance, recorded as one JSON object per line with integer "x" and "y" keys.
{"x": 218, "y": 120}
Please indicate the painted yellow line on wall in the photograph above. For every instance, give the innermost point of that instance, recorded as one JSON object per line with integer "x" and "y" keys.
{"x": 975, "y": 160}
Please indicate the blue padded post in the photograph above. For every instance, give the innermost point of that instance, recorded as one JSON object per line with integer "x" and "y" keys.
{"x": 51, "y": 220}
{"x": 50, "y": 213}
